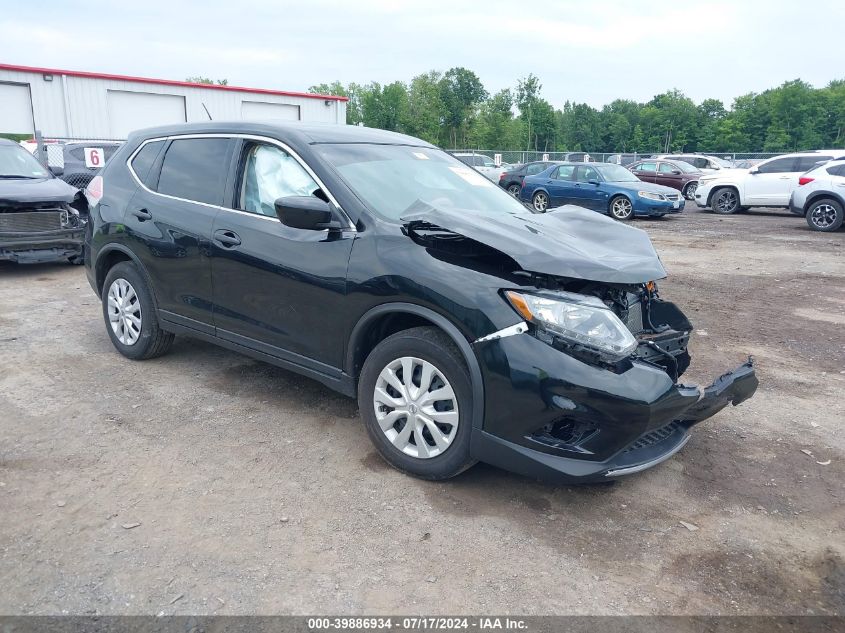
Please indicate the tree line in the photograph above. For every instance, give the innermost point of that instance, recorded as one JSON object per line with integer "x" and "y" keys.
{"x": 454, "y": 110}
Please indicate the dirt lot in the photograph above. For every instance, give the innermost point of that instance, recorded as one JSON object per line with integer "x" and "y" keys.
{"x": 257, "y": 491}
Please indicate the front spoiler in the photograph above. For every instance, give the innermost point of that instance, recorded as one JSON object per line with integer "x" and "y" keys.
{"x": 650, "y": 449}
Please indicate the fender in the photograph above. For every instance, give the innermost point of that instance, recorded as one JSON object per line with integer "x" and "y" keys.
{"x": 822, "y": 194}
{"x": 116, "y": 246}
{"x": 444, "y": 324}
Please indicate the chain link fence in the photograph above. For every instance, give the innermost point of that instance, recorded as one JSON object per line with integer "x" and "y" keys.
{"x": 74, "y": 160}
{"x": 518, "y": 157}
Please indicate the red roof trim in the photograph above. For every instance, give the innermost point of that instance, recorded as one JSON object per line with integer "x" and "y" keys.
{"x": 167, "y": 82}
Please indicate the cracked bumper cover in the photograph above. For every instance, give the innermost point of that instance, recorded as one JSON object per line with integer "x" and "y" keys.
{"x": 640, "y": 416}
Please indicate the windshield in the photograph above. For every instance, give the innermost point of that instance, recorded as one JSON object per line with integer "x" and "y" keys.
{"x": 16, "y": 162}
{"x": 721, "y": 162}
{"x": 685, "y": 167}
{"x": 616, "y": 173}
{"x": 392, "y": 178}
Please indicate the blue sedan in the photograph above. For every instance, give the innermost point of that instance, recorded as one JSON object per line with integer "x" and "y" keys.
{"x": 609, "y": 189}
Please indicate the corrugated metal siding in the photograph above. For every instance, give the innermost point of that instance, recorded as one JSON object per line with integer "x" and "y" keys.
{"x": 88, "y": 105}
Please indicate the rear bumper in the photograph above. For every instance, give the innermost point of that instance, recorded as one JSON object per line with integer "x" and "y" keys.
{"x": 41, "y": 246}
{"x": 624, "y": 423}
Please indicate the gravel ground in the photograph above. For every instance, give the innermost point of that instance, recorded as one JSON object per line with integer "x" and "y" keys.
{"x": 204, "y": 482}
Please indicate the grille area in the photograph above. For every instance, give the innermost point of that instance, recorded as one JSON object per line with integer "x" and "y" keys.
{"x": 653, "y": 437}
{"x": 31, "y": 220}
{"x": 673, "y": 196}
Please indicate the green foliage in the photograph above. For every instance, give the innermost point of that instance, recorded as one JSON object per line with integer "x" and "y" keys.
{"x": 206, "y": 80}
{"x": 453, "y": 109}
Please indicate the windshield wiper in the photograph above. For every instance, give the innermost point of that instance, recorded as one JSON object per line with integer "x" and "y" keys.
{"x": 19, "y": 177}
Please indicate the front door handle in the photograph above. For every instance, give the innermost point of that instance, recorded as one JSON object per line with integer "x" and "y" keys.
{"x": 227, "y": 238}
{"x": 142, "y": 214}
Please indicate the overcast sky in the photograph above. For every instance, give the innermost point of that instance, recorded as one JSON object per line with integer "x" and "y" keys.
{"x": 582, "y": 51}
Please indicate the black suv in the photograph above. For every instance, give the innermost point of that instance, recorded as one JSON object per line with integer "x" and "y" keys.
{"x": 469, "y": 328}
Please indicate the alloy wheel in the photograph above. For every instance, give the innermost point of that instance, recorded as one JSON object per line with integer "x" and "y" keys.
{"x": 621, "y": 208}
{"x": 514, "y": 190}
{"x": 823, "y": 215}
{"x": 541, "y": 202}
{"x": 416, "y": 407}
{"x": 727, "y": 202}
{"x": 689, "y": 192}
{"x": 124, "y": 310}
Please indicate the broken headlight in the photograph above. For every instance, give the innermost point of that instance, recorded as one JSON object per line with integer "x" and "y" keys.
{"x": 580, "y": 320}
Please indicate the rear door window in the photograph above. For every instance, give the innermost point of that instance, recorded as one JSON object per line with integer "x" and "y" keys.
{"x": 836, "y": 170}
{"x": 195, "y": 169}
{"x": 564, "y": 172}
{"x": 779, "y": 166}
{"x": 143, "y": 162}
{"x": 806, "y": 163}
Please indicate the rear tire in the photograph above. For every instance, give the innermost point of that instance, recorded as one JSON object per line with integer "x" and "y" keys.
{"x": 130, "y": 315}
{"x": 513, "y": 189}
{"x": 402, "y": 424}
{"x": 725, "y": 201}
{"x": 825, "y": 215}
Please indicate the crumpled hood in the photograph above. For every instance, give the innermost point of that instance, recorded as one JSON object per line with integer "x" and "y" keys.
{"x": 25, "y": 191}
{"x": 568, "y": 241}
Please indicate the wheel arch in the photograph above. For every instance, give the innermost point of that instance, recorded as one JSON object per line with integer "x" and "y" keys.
{"x": 819, "y": 195}
{"x": 388, "y": 318}
{"x": 716, "y": 188}
{"x": 112, "y": 254}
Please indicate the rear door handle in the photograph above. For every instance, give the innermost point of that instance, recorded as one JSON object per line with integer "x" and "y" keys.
{"x": 142, "y": 214}
{"x": 785, "y": 177}
{"x": 227, "y": 238}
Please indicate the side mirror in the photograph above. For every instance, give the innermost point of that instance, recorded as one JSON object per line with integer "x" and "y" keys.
{"x": 305, "y": 212}
{"x": 593, "y": 182}
{"x": 753, "y": 170}
{"x": 676, "y": 172}
{"x": 56, "y": 170}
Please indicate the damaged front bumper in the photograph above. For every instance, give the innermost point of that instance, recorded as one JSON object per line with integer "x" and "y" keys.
{"x": 33, "y": 247}
{"x": 564, "y": 420}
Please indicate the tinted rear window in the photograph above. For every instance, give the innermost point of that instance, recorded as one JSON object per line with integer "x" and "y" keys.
{"x": 805, "y": 163}
{"x": 144, "y": 160}
{"x": 195, "y": 169}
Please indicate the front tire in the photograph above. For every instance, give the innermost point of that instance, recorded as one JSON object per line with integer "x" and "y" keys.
{"x": 415, "y": 398}
{"x": 130, "y": 315}
{"x": 825, "y": 215}
{"x": 621, "y": 208}
{"x": 540, "y": 201}
{"x": 689, "y": 191}
{"x": 725, "y": 201}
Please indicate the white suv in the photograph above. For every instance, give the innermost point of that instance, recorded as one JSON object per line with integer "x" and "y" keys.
{"x": 820, "y": 196}
{"x": 482, "y": 163}
{"x": 768, "y": 184}
{"x": 702, "y": 162}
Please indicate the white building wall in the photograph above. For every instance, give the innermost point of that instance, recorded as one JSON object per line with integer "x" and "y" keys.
{"x": 72, "y": 106}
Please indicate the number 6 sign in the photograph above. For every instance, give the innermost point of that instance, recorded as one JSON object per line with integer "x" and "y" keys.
{"x": 94, "y": 157}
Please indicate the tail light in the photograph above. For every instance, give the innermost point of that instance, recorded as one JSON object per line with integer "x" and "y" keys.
{"x": 94, "y": 191}
{"x": 804, "y": 180}
{"x": 501, "y": 176}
